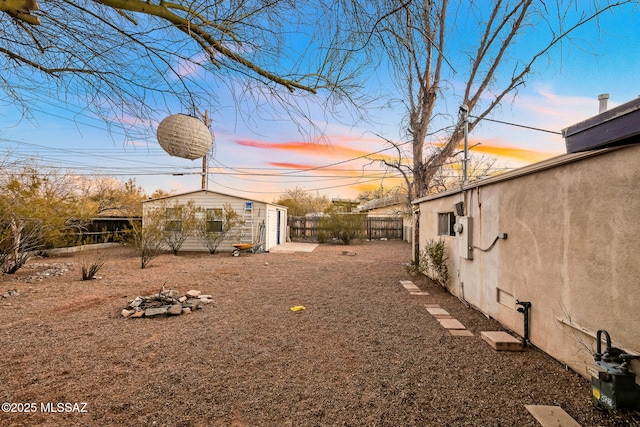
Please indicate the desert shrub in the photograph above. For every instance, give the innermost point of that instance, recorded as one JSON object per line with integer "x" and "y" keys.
{"x": 19, "y": 240}
{"x": 147, "y": 237}
{"x": 90, "y": 268}
{"x": 432, "y": 262}
{"x": 343, "y": 227}
{"x": 181, "y": 221}
{"x": 218, "y": 225}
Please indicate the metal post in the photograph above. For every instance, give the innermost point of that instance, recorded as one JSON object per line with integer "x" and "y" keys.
{"x": 525, "y": 307}
{"x": 464, "y": 109}
{"x": 205, "y": 177}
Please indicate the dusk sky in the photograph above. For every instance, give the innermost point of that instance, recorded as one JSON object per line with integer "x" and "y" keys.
{"x": 263, "y": 158}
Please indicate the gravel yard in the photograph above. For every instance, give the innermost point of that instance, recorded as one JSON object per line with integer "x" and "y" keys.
{"x": 363, "y": 352}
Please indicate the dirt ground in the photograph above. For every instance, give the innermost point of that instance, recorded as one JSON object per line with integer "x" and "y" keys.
{"x": 364, "y": 352}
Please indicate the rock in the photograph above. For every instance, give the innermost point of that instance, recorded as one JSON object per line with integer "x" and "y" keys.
{"x": 166, "y": 302}
{"x": 193, "y": 303}
{"x": 175, "y": 309}
{"x": 170, "y": 293}
{"x": 155, "y": 311}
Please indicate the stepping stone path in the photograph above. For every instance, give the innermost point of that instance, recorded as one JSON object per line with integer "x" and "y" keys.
{"x": 412, "y": 288}
{"x": 547, "y": 416}
{"x": 447, "y": 321}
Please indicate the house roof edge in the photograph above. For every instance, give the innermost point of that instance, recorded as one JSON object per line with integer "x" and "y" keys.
{"x": 523, "y": 171}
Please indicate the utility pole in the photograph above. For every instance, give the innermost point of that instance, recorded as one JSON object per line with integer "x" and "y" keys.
{"x": 464, "y": 110}
{"x": 205, "y": 176}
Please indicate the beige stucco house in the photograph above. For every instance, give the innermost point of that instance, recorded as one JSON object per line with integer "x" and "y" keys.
{"x": 262, "y": 221}
{"x": 563, "y": 235}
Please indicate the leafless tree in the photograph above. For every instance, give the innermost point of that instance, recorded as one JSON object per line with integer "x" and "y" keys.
{"x": 450, "y": 176}
{"x": 217, "y": 225}
{"x": 148, "y": 236}
{"x": 454, "y": 62}
{"x": 122, "y": 59}
{"x": 445, "y": 54}
{"x": 20, "y": 238}
{"x": 300, "y": 202}
{"x": 181, "y": 222}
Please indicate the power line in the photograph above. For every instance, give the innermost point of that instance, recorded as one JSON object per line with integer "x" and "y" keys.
{"x": 312, "y": 189}
{"x": 518, "y": 125}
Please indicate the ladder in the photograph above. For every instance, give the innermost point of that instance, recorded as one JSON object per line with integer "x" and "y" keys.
{"x": 247, "y": 225}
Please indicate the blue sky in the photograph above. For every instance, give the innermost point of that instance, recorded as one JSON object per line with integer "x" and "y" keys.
{"x": 263, "y": 158}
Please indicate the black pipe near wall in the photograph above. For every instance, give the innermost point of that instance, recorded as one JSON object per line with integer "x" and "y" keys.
{"x": 524, "y": 308}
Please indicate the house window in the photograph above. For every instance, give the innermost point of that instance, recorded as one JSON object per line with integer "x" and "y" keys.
{"x": 214, "y": 220}
{"x": 446, "y": 221}
{"x": 172, "y": 222}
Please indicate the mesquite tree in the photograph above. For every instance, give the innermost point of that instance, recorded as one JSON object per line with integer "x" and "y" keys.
{"x": 39, "y": 208}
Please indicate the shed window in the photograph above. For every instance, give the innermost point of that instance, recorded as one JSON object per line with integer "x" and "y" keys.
{"x": 214, "y": 220}
{"x": 446, "y": 221}
{"x": 172, "y": 222}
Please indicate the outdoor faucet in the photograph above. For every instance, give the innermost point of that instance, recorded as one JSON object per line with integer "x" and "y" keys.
{"x": 524, "y": 308}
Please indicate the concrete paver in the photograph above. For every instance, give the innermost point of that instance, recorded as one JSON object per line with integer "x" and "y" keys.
{"x": 437, "y": 311}
{"x": 451, "y": 324}
{"x": 551, "y": 416}
{"x": 292, "y": 247}
{"x": 502, "y": 341}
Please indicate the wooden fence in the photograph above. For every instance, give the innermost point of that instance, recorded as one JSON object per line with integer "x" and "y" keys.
{"x": 304, "y": 228}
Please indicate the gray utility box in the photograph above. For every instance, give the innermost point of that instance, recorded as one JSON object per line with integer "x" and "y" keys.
{"x": 464, "y": 233}
{"x": 613, "y": 384}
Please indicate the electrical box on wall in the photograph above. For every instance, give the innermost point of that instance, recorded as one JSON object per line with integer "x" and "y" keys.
{"x": 464, "y": 233}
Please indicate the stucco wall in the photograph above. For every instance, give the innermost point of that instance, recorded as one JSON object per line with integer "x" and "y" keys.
{"x": 573, "y": 251}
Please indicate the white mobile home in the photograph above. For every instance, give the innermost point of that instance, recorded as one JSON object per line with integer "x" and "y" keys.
{"x": 262, "y": 222}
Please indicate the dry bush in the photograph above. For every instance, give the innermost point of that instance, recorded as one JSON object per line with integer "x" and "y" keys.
{"x": 91, "y": 268}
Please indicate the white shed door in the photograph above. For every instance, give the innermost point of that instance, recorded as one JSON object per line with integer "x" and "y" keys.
{"x": 272, "y": 229}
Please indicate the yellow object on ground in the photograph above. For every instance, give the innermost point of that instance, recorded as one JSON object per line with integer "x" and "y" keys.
{"x": 298, "y": 308}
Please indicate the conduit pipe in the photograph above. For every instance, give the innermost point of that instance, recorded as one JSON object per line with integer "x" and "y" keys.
{"x": 524, "y": 308}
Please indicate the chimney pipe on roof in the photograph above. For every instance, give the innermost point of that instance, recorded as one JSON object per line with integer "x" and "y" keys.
{"x": 603, "y": 102}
